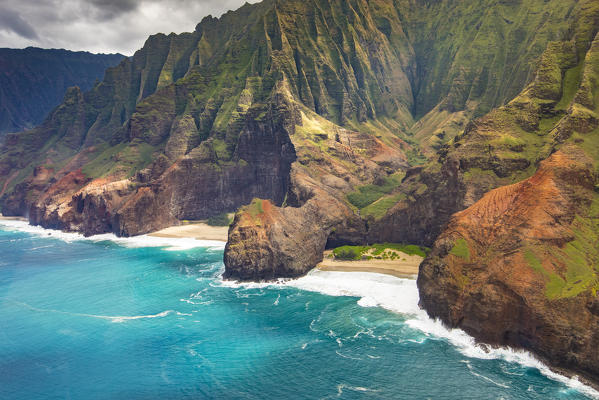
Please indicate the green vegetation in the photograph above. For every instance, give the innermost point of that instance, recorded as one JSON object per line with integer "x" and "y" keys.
{"x": 220, "y": 220}
{"x": 460, "y": 249}
{"x": 103, "y": 162}
{"x": 415, "y": 157}
{"x": 255, "y": 208}
{"x": 554, "y": 283}
{"x": 384, "y": 251}
{"x": 122, "y": 158}
{"x": 380, "y": 207}
{"x": 570, "y": 85}
{"x": 580, "y": 258}
{"x": 348, "y": 253}
{"x": 368, "y": 194}
{"x": 409, "y": 249}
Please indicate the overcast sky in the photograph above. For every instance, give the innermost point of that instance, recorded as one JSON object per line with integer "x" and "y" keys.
{"x": 100, "y": 26}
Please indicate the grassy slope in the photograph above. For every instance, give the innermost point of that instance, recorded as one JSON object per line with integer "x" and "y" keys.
{"x": 506, "y": 145}
{"x": 478, "y": 56}
{"x": 378, "y": 250}
{"x": 369, "y": 66}
{"x": 560, "y": 107}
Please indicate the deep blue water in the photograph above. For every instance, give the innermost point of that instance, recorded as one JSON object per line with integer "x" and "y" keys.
{"x": 97, "y": 320}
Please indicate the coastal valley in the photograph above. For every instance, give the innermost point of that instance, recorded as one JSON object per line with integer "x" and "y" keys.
{"x": 455, "y": 141}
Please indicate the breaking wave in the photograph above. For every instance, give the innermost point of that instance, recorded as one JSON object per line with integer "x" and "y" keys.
{"x": 401, "y": 296}
{"x": 172, "y": 244}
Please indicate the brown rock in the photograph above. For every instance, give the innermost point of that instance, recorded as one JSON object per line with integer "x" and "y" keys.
{"x": 268, "y": 242}
{"x": 518, "y": 267}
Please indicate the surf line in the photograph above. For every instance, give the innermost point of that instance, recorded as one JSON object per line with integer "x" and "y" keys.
{"x": 401, "y": 296}
{"x": 114, "y": 319}
{"x": 171, "y": 244}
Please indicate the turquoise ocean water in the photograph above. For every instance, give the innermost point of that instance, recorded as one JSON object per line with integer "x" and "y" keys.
{"x": 151, "y": 319}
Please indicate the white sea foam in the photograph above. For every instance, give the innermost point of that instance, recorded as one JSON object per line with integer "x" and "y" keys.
{"x": 119, "y": 319}
{"x": 173, "y": 244}
{"x": 342, "y": 387}
{"x": 486, "y": 378}
{"x": 401, "y": 296}
{"x": 115, "y": 318}
{"x": 248, "y": 285}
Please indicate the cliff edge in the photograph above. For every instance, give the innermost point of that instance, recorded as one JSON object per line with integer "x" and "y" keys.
{"x": 520, "y": 267}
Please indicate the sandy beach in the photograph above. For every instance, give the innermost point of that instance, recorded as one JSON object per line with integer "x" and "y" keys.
{"x": 13, "y": 218}
{"x": 406, "y": 267}
{"x": 195, "y": 230}
{"x": 199, "y": 231}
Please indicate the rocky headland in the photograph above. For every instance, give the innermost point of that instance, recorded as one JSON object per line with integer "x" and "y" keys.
{"x": 325, "y": 123}
{"x": 519, "y": 267}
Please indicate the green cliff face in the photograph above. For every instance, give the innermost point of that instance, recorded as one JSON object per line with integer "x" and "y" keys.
{"x": 302, "y": 73}
{"x": 476, "y": 56}
{"x": 519, "y": 265}
{"x": 33, "y": 81}
{"x": 507, "y": 144}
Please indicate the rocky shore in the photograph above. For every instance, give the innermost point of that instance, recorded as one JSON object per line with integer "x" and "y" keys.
{"x": 519, "y": 267}
{"x": 323, "y": 124}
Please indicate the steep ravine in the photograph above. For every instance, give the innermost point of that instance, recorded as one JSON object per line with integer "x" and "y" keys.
{"x": 122, "y": 157}
{"x": 498, "y": 149}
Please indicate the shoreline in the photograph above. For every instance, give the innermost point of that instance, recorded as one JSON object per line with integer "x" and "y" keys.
{"x": 22, "y": 219}
{"x": 397, "y": 269}
{"x": 406, "y": 268}
{"x": 196, "y": 230}
{"x": 167, "y": 241}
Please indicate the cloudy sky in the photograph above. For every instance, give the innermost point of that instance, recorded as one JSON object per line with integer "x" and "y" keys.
{"x": 100, "y": 26}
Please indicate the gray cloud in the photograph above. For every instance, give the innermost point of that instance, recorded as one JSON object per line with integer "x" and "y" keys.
{"x": 112, "y": 8}
{"x": 11, "y": 21}
{"x": 102, "y": 26}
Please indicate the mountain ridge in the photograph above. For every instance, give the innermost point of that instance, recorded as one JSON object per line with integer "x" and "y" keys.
{"x": 324, "y": 123}
{"x": 34, "y": 80}
{"x": 351, "y": 38}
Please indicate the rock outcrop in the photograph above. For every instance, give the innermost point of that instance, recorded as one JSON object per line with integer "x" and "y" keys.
{"x": 267, "y": 242}
{"x": 519, "y": 267}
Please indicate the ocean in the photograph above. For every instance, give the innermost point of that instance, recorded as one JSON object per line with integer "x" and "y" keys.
{"x": 150, "y": 318}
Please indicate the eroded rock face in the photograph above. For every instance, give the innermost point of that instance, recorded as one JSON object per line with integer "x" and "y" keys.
{"x": 518, "y": 267}
{"x": 433, "y": 197}
{"x": 268, "y": 242}
{"x": 196, "y": 186}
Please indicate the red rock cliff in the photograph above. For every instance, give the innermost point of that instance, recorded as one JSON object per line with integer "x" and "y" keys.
{"x": 520, "y": 267}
